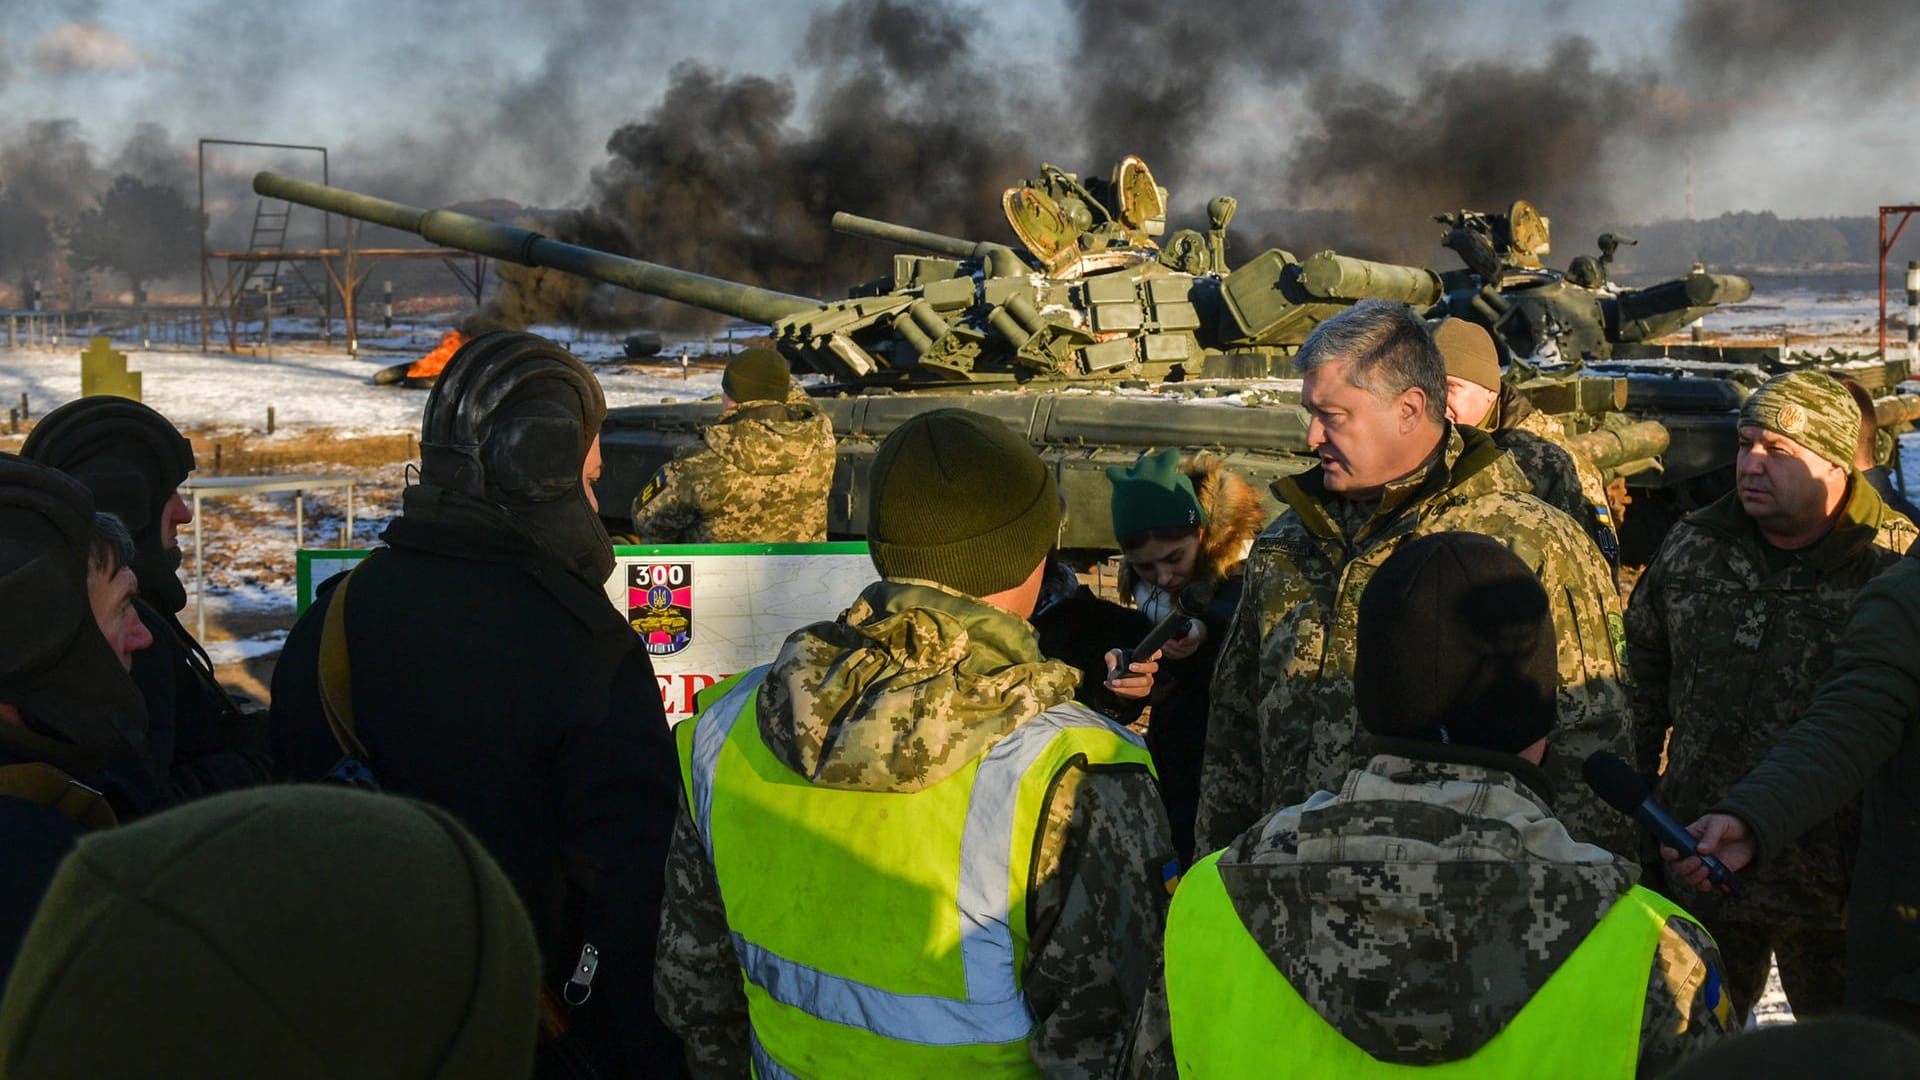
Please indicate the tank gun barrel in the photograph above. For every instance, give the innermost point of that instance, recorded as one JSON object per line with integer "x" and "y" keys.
{"x": 1896, "y": 410}
{"x": 468, "y": 233}
{"x": 906, "y": 236}
{"x": 1610, "y": 448}
{"x": 1343, "y": 277}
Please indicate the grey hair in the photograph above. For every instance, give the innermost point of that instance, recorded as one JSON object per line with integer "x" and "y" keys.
{"x": 111, "y": 546}
{"x": 1391, "y": 351}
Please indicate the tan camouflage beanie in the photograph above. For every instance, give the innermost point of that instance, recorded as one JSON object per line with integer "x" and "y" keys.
{"x": 1811, "y": 409}
{"x": 1469, "y": 352}
{"x": 958, "y": 498}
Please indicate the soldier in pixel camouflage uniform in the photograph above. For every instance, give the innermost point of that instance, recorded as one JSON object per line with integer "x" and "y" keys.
{"x": 759, "y": 475}
{"x": 1731, "y": 628}
{"x": 1478, "y": 397}
{"x": 1432, "y": 901}
{"x": 1392, "y": 468}
{"x": 829, "y": 853}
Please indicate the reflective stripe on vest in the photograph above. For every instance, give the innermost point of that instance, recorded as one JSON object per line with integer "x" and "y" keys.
{"x": 993, "y": 1009}
{"x": 1233, "y": 1013}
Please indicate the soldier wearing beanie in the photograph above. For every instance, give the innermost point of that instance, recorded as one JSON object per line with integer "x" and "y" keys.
{"x": 286, "y": 931}
{"x": 920, "y": 738}
{"x": 66, "y": 705}
{"x": 1459, "y": 897}
{"x": 1731, "y": 629}
{"x": 134, "y": 460}
{"x": 760, "y": 474}
{"x": 1478, "y": 397}
{"x": 486, "y": 674}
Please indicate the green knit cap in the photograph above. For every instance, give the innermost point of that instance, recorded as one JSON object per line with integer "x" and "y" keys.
{"x": 1812, "y": 409}
{"x": 958, "y": 498}
{"x": 757, "y": 375}
{"x": 1154, "y": 494}
{"x": 291, "y": 931}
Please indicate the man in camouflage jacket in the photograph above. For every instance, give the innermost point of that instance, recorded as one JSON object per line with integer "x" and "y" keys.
{"x": 928, "y": 670}
{"x": 759, "y": 475}
{"x": 1455, "y": 892}
{"x": 1392, "y": 468}
{"x": 1478, "y": 396}
{"x": 1730, "y": 630}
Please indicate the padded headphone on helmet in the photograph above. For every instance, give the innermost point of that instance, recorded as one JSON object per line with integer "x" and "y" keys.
{"x": 552, "y": 406}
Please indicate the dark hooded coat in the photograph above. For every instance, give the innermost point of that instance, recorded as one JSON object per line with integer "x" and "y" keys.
{"x": 490, "y": 681}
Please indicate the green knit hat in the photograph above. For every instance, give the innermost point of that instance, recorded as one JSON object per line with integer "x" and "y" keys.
{"x": 287, "y": 931}
{"x": 1812, "y": 409}
{"x": 1153, "y": 494}
{"x": 958, "y": 498}
{"x": 757, "y": 375}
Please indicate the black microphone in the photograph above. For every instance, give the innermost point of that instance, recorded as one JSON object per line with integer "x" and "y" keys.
{"x": 1616, "y": 782}
{"x": 1189, "y": 604}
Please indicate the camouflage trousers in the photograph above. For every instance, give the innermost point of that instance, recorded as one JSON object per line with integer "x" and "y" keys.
{"x": 1812, "y": 965}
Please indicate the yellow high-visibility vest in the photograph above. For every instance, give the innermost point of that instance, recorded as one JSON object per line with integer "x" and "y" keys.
{"x": 881, "y": 933}
{"x": 1233, "y": 1013}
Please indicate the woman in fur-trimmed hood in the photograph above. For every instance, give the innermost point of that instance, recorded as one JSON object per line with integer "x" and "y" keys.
{"x": 1162, "y": 509}
{"x": 1177, "y": 524}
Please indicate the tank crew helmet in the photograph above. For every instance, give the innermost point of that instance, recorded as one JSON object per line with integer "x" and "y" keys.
{"x": 132, "y": 459}
{"x": 510, "y": 423}
{"x": 55, "y": 666}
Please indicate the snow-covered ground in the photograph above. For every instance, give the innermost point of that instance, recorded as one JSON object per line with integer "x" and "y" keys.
{"x": 308, "y": 386}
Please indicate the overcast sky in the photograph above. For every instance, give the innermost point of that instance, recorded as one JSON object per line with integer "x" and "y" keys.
{"x": 504, "y": 98}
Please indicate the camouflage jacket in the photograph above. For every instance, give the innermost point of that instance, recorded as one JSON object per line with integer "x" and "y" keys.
{"x": 909, "y": 685}
{"x": 1560, "y": 477}
{"x": 759, "y": 475}
{"x": 1456, "y": 895}
{"x": 1519, "y": 414}
{"x": 1283, "y": 723}
{"x": 1727, "y": 639}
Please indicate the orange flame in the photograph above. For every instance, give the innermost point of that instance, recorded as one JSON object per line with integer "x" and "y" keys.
{"x": 434, "y": 362}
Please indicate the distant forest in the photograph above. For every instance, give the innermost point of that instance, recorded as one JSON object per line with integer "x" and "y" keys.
{"x": 1748, "y": 241}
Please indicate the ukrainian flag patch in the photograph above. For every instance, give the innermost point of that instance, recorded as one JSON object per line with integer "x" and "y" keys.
{"x": 1718, "y": 1000}
{"x": 1170, "y": 875}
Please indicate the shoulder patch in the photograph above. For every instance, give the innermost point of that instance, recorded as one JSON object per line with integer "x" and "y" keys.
{"x": 652, "y": 489}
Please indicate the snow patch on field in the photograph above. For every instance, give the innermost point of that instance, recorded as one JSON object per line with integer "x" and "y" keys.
{"x": 307, "y": 387}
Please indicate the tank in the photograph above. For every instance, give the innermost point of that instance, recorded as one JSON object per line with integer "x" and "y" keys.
{"x": 1547, "y": 319}
{"x": 1097, "y": 335}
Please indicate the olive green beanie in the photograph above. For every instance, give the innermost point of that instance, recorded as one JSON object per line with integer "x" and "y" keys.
{"x": 757, "y": 375}
{"x": 1154, "y": 494}
{"x": 294, "y": 931}
{"x": 1812, "y": 409}
{"x": 958, "y": 498}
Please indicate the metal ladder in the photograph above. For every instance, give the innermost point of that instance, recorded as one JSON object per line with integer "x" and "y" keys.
{"x": 269, "y": 234}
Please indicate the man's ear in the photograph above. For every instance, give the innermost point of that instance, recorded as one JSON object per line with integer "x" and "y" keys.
{"x": 1410, "y": 409}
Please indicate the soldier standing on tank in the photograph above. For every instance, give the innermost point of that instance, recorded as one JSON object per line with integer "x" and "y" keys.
{"x": 1478, "y": 397}
{"x": 759, "y": 475}
{"x": 1391, "y": 468}
{"x": 1731, "y": 628}
{"x": 1431, "y": 910}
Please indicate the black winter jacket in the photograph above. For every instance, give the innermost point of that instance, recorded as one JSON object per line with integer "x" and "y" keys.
{"x": 489, "y": 680}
